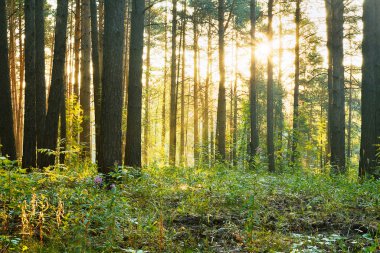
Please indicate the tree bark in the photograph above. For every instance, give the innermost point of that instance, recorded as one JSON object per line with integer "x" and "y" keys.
{"x": 96, "y": 73}
{"x": 173, "y": 90}
{"x": 294, "y": 155}
{"x": 182, "y": 131}
{"x": 77, "y": 39}
{"x": 205, "y": 130}
{"x": 349, "y": 124}
{"x": 254, "y": 142}
{"x": 19, "y": 135}
{"x": 329, "y": 76}
{"x": 337, "y": 125}
{"x": 30, "y": 138}
{"x": 221, "y": 111}
{"x": 12, "y": 63}
{"x": 369, "y": 162}
{"x": 112, "y": 86}
{"x": 40, "y": 74}
{"x": 85, "y": 84}
{"x": 7, "y": 138}
{"x": 235, "y": 109}
{"x": 196, "y": 90}
{"x": 147, "y": 90}
{"x": 56, "y": 94}
{"x": 163, "y": 131}
{"x": 270, "y": 102}
{"x": 133, "y": 142}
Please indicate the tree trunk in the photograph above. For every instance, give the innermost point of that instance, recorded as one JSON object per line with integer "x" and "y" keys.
{"x": 294, "y": 155}
{"x": 126, "y": 71}
{"x": 329, "y": 75}
{"x": 221, "y": 113}
{"x": 85, "y": 84}
{"x": 182, "y": 131}
{"x": 369, "y": 162}
{"x": 12, "y": 63}
{"x": 133, "y": 142}
{"x": 173, "y": 89}
{"x": 101, "y": 36}
{"x": 7, "y": 138}
{"x": 63, "y": 126}
{"x": 280, "y": 104}
{"x": 20, "y": 117}
{"x": 337, "y": 125}
{"x": 30, "y": 142}
{"x": 235, "y": 112}
{"x": 112, "y": 86}
{"x": 96, "y": 73}
{"x": 196, "y": 90}
{"x": 147, "y": 91}
{"x": 163, "y": 132}
{"x": 126, "y": 52}
{"x": 40, "y": 74}
{"x": 56, "y": 94}
{"x": 205, "y": 130}
{"x": 77, "y": 38}
{"x": 270, "y": 103}
{"x": 254, "y": 143}
{"x": 349, "y": 124}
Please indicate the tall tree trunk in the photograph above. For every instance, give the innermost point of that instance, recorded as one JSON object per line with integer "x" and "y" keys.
{"x": 101, "y": 36}
{"x": 338, "y": 161}
{"x": 7, "y": 138}
{"x": 12, "y": 63}
{"x": 349, "y": 124}
{"x": 133, "y": 143}
{"x": 329, "y": 76}
{"x": 294, "y": 155}
{"x": 270, "y": 102}
{"x": 280, "y": 104}
{"x": 85, "y": 84}
{"x": 221, "y": 113}
{"x": 163, "y": 132}
{"x": 196, "y": 90}
{"x": 20, "y": 118}
{"x": 126, "y": 70}
{"x": 63, "y": 126}
{"x": 254, "y": 142}
{"x": 30, "y": 141}
{"x": 70, "y": 53}
{"x": 96, "y": 72}
{"x": 126, "y": 52}
{"x": 173, "y": 89}
{"x": 235, "y": 109}
{"x": 147, "y": 90}
{"x": 77, "y": 38}
{"x": 369, "y": 162}
{"x": 182, "y": 131}
{"x": 205, "y": 127}
{"x": 56, "y": 94}
{"x": 112, "y": 86}
{"x": 40, "y": 74}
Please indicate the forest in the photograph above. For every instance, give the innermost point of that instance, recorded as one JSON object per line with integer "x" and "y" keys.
{"x": 189, "y": 126}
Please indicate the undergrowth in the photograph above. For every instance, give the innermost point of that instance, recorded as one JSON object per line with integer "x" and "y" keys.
{"x": 169, "y": 209}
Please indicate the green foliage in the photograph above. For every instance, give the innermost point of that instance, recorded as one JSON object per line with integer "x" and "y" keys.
{"x": 185, "y": 210}
{"x": 74, "y": 118}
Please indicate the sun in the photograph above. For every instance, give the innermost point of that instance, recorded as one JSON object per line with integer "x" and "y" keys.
{"x": 262, "y": 51}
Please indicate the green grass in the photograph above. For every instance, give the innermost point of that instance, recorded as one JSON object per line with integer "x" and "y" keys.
{"x": 187, "y": 210}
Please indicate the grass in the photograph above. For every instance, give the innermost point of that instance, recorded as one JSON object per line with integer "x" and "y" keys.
{"x": 187, "y": 210}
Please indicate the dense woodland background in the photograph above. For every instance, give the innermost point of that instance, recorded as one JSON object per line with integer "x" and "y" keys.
{"x": 164, "y": 85}
{"x": 178, "y": 75}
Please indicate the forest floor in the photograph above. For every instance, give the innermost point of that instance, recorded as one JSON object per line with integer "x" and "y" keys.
{"x": 187, "y": 210}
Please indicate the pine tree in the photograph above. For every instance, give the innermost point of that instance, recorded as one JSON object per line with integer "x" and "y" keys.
{"x": 7, "y": 139}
